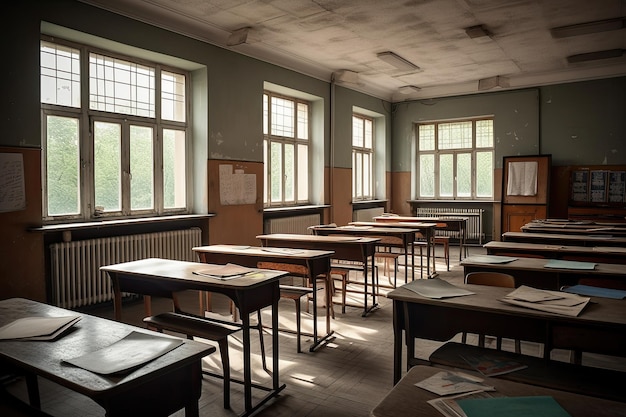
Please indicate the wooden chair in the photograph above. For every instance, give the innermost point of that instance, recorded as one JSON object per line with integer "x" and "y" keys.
{"x": 494, "y": 279}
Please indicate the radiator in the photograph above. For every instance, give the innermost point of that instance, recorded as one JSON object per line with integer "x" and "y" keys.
{"x": 75, "y": 266}
{"x": 294, "y": 224}
{"x": 367, "y": 215}
{"x": 474, "y": 222}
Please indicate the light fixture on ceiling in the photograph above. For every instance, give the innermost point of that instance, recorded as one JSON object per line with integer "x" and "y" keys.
{"x": 238, "y": 37}
{"x": 594, "y": 56}
{"x": 345, "y": 77}
{"x": 397, "y": 61}
{"x": 589, "y": 27}
{"x": 478, "y": 31}
{"x": 408, "y": 89}
{"x": 493, "y": 82}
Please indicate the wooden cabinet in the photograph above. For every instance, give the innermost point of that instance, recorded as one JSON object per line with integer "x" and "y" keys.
{"x": 516, "y": 216}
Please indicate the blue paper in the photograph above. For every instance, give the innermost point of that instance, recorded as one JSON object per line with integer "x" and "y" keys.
{"x": 539, "y": 406}
{"x": 591, "y": 291}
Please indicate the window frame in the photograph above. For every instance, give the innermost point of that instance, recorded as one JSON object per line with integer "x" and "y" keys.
{"x": 87, "y": 117}
{"x": 437, "y": 153}
{"x": 296, "y": 142}
{"x": 359, "y": 152}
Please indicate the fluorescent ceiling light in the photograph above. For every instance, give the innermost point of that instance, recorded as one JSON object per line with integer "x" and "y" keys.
{"x": 396, "y": 61}
{"x": 346, "y": 77}
{"x": 238, "y": 37}
{"x": 493, "y": 82}
{"x": 408, "y": 89}
{"x": 589, "y": 27}
{"x": 593, "y": 56}
{"x": 477, "y": 31}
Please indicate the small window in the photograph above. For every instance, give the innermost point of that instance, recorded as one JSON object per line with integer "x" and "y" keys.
{"x": 362, "y": 157}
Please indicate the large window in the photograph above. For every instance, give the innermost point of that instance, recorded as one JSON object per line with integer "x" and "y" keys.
{"x": 286, "y": 132}
{"x": 114, "y": 134}
{"x": 362, "y": 157}
{"x": 455, "y": 160}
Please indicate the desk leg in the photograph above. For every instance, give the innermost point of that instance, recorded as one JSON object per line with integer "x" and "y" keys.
{"x": 314, "y": 279}
{"x": 397, "y": 342}
{"x": 247, "y": 363}
{"x": 412, "y": 261}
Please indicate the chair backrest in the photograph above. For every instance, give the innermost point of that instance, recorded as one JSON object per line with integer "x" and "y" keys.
{"x": 494, "y": 279}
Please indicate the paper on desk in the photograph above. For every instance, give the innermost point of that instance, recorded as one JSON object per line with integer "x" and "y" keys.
{"x": 490, "y": 259}
{"x": 559, "y": 263}
{"x": 126, "y": 354}
{"x": 435, "y": 288}
{"x": 227, "y": 271}
{"x": 37, "y": 328}
{"x": 287, "y": 251}
{"x": 618, "y": 249}
{"x": 449, "y": 407}
{"x": 543, "y": 406}
{"x": 549, "y": 301}
{"x": 447, "y": 382}
{"x": 596, "y": 291}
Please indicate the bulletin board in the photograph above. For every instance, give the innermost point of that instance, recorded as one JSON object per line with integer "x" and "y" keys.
{"x": 597, "y": 186}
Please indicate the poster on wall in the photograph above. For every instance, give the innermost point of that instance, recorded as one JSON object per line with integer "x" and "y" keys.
{"x": 236, "y": 187}
{"x": 598, "y": 186}
{"x": 12, "y": 189}
{"x": 617, "y": 186}
{"x": 580, "y": 186}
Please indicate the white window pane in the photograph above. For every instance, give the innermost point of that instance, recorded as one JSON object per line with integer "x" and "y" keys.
{"x": 426, "y": 135}
{"x": 464, "y": 175}
{"x": 359, "y": 176}
{"x": 107, "y": 165}
{"x": 303, "y": 121}
{"x": 276, "y": 172}
{"x": 357, "y": 132}
{"x": 141, "y": 168}
{"x": 484, "y": 174}
{"x": 303, "y": 173}
{"x": 427, "y": 175}
{"x": 484, "y": 133}
{"x": 283, "y": 117}
{"x": 367, "y": 175}
{"x": 266, "y": 114}
{"x": 457, "y": 135}
{"x": 60, "y": 75}
{"x": 368, "y": 134}
{"x": 290, "y": 173}
{"x": 62, "y": 166}
{"x": 172, "y": 96}
{"x": 446, "y": 175}
{"x": 174, "y": 169}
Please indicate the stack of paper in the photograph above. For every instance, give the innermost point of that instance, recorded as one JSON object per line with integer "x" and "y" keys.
{"x": 37, "y": 328}
{"x": 562, "y": 264}
{"x": 550, "y": 301}
{"x": 447, "y": 382}
{"x": 435, "y": 288}
{"x": 223, "y": 272}
{"x": 492, "y": 365}
{"x": 490, "y": 259}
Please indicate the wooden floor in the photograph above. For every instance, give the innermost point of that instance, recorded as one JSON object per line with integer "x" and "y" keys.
{"x": 346, "y": 377}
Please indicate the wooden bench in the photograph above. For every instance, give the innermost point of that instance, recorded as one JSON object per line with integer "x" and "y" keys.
{"x": 595, "y": 382}
{"x": 196, "y": 326}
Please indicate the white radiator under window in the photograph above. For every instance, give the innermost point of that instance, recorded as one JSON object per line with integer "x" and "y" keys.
{"x": 474, "y": 223}
{"x": 367, "y": 215}
{"x": 75, "y": 266}
{"x": 294, "y": 224}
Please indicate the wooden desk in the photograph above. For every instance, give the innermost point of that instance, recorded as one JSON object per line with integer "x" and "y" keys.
{"x": 405, "y": 399}
{"x": 346, "y": 248}
{"x": 603, "y": 254}
{"x": 600, "y": 328}
{"x": 402, "y": 238}
{"x": 574, "y": 229}
{"x": 453, "y": 224}
{"x": 425, "y": 230}
{"x": 532, "y": 272}
{"x": 249, "y": 293}
{"x": 317, "y": 262}
{"x": 564, "y": 239}
{"x": 158, "y": 388}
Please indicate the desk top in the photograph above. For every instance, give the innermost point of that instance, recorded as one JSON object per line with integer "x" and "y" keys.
{"x": 317, "y": 238}
{"x": 265, "y": 251}
{"x": 547, "y": 248}
{"x": 595, "y": 240}
{"x": 604, "y": 311}
{"x": 537, "y": 264}
{"x": 363, "y": 230}
{"x": 405, "y": 399}
{"x": 182, "y": 272}
{"x": 88, "y": 335}
{"x": 399, "y": 224}
{"x": 452, "y": 217}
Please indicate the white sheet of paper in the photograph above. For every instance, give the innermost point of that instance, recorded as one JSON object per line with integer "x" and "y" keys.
{"x": 37, "y": 328}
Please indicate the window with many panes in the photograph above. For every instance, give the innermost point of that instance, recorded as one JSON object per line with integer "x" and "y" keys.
{"x": 362, "y": 157}
{"x": 114, "y": 134}
{"x": 285, "y": 150}
{"x": 455, "y": 159}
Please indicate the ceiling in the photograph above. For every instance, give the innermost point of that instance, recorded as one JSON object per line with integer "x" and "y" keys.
{"x": 339, "y": 40}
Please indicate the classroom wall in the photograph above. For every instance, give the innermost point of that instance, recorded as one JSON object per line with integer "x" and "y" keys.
{"x": 528, "y": 121}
